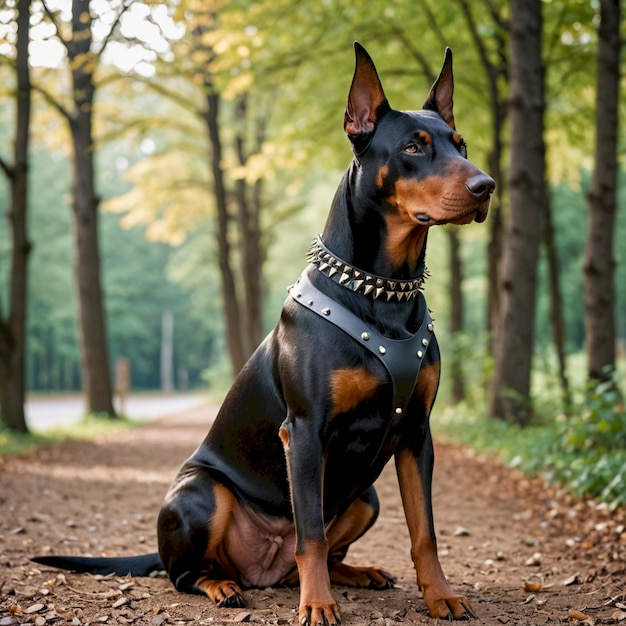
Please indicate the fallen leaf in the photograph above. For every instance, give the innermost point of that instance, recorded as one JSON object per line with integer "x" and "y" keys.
{"x": 16, "y": 609}
{"x": 155, "y": 611}
{"x": 533, "y": 585}
{"x": 577, "y": 615}
{"x": 34, "y": 608}
{"x": 572, "y": 580}
{"x": 461, "y": 532}
{"x": 619, "y": 616}
{"x": 120, "y": 602}
{"x": 244, "y": 616}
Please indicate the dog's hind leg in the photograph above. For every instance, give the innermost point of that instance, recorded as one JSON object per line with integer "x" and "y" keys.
{"x": 191, "y": 530}
{"x": 344, "y": 531}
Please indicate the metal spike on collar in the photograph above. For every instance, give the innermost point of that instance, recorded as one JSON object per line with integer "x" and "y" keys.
{"x": 359, "y": 281}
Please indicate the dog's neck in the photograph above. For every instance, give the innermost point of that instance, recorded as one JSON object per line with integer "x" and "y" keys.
{"x": 358, "y": 237}
{"x": 362, "y": 281}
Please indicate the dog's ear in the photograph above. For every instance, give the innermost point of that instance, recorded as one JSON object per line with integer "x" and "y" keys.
{"x": 440, "y": 96}
{"x": 366, "y": 101}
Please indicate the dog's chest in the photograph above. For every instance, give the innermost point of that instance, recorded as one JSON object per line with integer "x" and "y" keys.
{"x": 402, "y": 359}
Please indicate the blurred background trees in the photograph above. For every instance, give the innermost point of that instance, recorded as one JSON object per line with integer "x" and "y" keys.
{"x": 215, "y": 147}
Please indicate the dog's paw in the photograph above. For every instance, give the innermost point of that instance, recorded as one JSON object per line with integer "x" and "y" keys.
{"x": 225, "y": 593}
{"x": 450, "y": 607}
{"x": 363, "y": 577}
{"x": 318, "y": 614}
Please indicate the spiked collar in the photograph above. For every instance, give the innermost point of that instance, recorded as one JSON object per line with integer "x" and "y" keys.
{"x": 363, "y": 282}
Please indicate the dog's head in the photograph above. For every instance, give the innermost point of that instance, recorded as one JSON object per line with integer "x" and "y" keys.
{"x": 412, "y": 165}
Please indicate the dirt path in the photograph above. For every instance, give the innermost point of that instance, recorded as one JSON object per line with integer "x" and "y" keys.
{"x": 496, "y": 531}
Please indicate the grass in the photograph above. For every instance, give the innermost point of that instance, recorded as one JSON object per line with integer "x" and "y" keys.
{"x": 585, "y": 452}
{"x": 90, "y": 427}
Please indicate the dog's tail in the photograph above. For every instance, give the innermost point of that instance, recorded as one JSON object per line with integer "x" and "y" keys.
{"x": 142, "y": 565}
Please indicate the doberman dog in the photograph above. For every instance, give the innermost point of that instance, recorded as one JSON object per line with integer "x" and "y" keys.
{"x": 282, "y": 484}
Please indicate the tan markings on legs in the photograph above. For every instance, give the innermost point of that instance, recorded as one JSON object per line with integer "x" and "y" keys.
{"x": 350, "y": 387}
{"x": 439, "y": 598}
{"x": 317, "y": 605}
{"x": 426, "y": 385}
{"x": 225, "y": 593}
{"x": 341, "y": 533}
{"x": 218, "y": 524}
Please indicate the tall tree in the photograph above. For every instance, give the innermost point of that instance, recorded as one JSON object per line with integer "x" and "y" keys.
{"x": 13, "y": 328}
{"x": 599, "y": 263}
{"x": 95, "y": 359}
{"x": 457, "y": 307}
{"x": 495, "y": 69}
{"x": 510, "y": 398}
{"x": 83, "y": 61}
{"x": 234, "y": 126}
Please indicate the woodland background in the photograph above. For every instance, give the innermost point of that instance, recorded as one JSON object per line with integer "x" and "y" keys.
{"x": 167, "y": 164}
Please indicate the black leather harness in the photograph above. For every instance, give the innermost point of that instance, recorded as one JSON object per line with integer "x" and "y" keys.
{"x": 401, "y": 357}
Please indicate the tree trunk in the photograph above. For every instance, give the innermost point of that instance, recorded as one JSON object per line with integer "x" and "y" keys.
{"x": 457, "y": 393}
{"x": 251, "y": 249}
{"x": 167, "y": 351}
{"x": 13, "y": 331}
{"x": 556, "y": 308}
{"x": 496, "y": 74}
{"x": 514, "y": 338}
{"x": 599, "y": 264}
{"x": 95, "y": 361}
{"x": 232, "y": 311}
{"x": 494, "y": 246}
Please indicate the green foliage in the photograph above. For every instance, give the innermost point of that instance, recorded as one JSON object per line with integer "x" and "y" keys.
{"x": 586, "y": 452}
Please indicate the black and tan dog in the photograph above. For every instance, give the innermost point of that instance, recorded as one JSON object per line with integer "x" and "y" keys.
{"x": 282, "y": 484}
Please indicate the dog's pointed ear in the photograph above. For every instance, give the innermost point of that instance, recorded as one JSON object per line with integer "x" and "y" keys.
{"x": 366, "y": 101}
{"x": 440, "y": 96}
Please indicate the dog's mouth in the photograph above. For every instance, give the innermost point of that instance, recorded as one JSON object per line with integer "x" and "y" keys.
{"x": 474, "y": 214}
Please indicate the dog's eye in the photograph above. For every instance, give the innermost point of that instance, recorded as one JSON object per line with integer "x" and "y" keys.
{"x": 463, "y": 149}
{"x": 412, "y": 148}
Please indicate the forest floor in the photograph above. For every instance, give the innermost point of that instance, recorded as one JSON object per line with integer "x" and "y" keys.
{"x": 522, "y": 552}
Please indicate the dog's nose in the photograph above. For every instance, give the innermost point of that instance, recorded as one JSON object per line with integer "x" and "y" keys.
{"x": 481, "y": 186}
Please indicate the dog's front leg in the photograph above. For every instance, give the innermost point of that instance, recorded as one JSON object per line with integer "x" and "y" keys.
{"x": 305, "y": 467}
{"x": 415, "y": 477}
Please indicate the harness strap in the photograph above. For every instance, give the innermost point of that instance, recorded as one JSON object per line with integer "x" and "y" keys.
{"x": 401, "y": 357}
